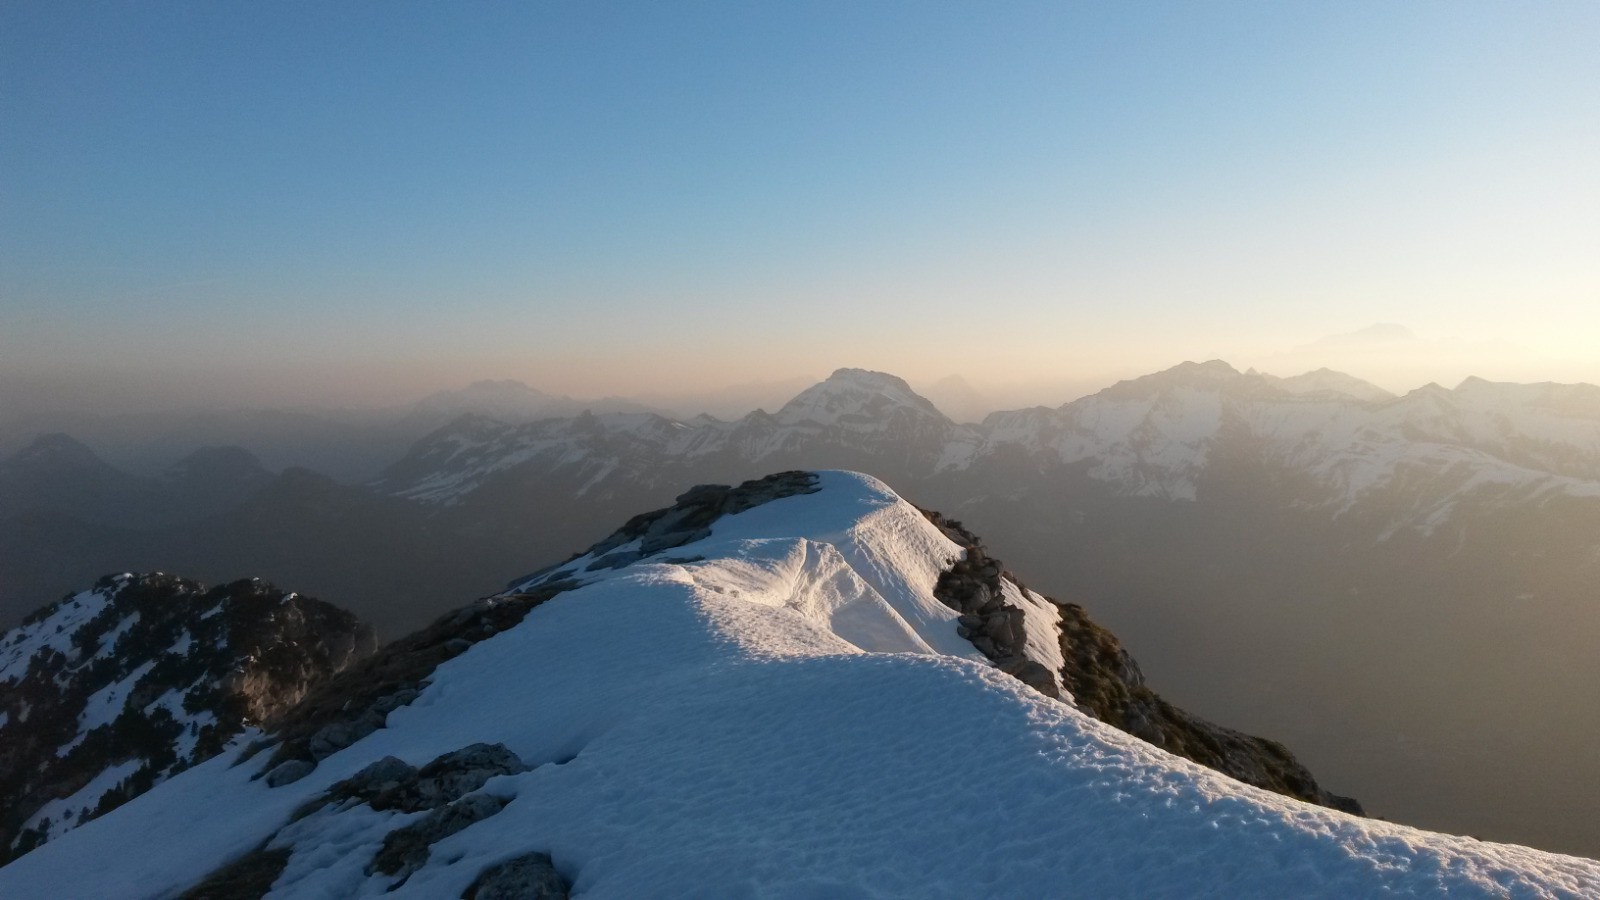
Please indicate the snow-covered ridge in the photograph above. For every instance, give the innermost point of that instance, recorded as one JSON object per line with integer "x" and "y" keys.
{"x": 781, "y": 707}
{"x": 114, "y": 689}
{"x": 1159, "y": 436}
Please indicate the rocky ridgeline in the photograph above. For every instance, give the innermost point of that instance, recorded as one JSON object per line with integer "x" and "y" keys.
{"x": 357, "y": 702}
{"x": 689, "y": 518}
{"x": 110, "y": 691}
{"x": 447, "y": 793}
{"x": 972, "y": 587}
{"x": 1103, "y": 680}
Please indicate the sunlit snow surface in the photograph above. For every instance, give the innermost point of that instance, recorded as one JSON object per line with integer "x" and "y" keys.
{"x": 791, "y": 717}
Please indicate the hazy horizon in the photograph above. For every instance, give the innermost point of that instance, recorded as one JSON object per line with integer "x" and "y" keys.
{"x": 359, "y": 205}
{"x": 1387, "y": 355}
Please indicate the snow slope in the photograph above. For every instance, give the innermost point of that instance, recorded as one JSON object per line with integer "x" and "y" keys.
{"x": 783, "y": 711}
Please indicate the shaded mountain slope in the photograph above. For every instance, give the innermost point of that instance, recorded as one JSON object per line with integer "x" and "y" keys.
{"x": 114, "y": 689}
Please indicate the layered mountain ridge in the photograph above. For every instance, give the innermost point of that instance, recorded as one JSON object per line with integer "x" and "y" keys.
{"x": 1150, "y": 436}
{"x": 1419, "y": 565}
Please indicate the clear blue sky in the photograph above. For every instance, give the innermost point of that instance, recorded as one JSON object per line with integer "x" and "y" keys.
{"x": 614, "y": 196}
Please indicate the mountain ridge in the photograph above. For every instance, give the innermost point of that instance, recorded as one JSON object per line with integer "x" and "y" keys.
{"x": 770, "y": 706}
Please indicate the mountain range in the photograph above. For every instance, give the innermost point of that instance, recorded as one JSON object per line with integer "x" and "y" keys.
{"x": 800, "y": 686}
{"x": 1384, "y": 581}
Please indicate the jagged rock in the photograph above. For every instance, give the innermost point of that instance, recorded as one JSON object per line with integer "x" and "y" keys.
{"x": 532, "y": 876}
{"x": 406, "y": 849}
{"x": 365, "y": 694}
{"x": 339, "y": 735}
{"x": 688, "y": 520}
{"x": 386, "y": 774}
{"x": 655, "y": 543}
{"x": 1033, "y": 674}
{"x": 1104, "y": 681}
{"x": 175, "y": 670}
{"x": 392, "y": 783}
{"x": 248, "y": 878}
{"x": 385, "y": 705}
{"x": 463, "y": 771}
{"x": 289, "y": 772}
{"x": 615, "y": 560}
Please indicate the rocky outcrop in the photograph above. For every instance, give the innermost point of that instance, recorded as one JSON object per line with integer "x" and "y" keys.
{"x": 445, "y": 790}
{"x": 1100, "y": 677}
{"x": 249, "y": 877}
{"x": 407, "y": 849}
{"x": 531, "y": 876}
{"x": 393, "y": 784}
{"x": 114, "y": 689}
{"x": 357, "y": 702}
{"x": 689, "y": 518}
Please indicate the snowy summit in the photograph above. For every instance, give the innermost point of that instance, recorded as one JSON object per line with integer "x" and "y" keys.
{"x": 777, "y": 690}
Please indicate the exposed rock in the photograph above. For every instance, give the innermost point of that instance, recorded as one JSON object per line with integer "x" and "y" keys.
{"x": 689, "y": 518}
{"x": 291, "y": 771}
{"x": 247, "y": 878}
{"x": 1107, "y": 683}
{"x": 532, "y": 876}
{"x": 356, "y": 702}
{"x": 353, "y": 705}
{"x": 386, "y": 775}
{"x": 1104, "y": 681}
{"x": 392, "y": 783}
{"x": 406, "y": 849}
{"x": 463, "y": 771}
{"x": 332, "y": 738}
{"x": 1031, "y": 673}
{"x": 172, "y": 670}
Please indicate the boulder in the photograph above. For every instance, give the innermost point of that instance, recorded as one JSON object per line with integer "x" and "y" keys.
{"x": 532, "y": 876}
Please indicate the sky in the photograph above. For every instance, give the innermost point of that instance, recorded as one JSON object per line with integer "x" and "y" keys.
{"x": 362, "y": 202}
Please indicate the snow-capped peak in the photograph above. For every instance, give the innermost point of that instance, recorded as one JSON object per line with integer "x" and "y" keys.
{"x": 855, "y": 394}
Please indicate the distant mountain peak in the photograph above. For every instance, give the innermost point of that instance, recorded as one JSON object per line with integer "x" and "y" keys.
{"x": 56, "y": 449}
{"x": 218, "y": 461}
{"x": 866, "y": 378}
{"x": 1377, "y": 334}
{"x": 1326, "y": 381}
{"x": 1209, "y": 376}
{"x": 852, "y": 393}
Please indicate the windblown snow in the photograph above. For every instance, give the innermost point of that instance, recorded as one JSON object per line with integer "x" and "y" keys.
{"x": 783, "y": 711}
